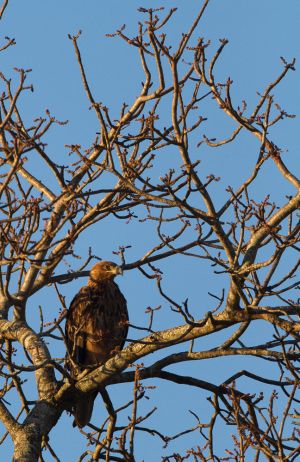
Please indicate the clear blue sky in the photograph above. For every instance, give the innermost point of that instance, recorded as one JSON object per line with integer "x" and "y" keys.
{"x": 259, "y": 32}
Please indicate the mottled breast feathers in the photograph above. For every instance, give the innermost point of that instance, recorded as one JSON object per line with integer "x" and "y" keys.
{"x": 97, "y": 324}
{"x": 96, "y": 329}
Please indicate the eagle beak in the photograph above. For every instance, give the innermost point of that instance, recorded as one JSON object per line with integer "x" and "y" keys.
{"x": 119, "y": 270}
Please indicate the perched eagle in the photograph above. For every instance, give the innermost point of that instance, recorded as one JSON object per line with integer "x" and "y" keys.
{"x": 96, "y": 329}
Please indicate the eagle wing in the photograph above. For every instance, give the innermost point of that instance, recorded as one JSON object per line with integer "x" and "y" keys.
{"x": 97, "y": 325}
{"x": 96, "y": 328}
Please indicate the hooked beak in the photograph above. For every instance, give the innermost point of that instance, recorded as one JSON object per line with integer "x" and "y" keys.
{"x": 119, "y": 270}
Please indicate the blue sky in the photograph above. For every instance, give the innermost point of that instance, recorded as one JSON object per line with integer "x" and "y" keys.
{"x": 259, "y": 32}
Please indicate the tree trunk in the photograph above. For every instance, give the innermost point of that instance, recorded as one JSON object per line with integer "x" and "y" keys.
{"x": 27, "y": 443}
{"x": 28, "y": 437}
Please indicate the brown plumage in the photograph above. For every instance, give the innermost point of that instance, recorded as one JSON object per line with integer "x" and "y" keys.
{"x": 96, "y": 328}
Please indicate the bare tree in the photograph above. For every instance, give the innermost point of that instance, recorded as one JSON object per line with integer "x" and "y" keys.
{"x": 246, "y": 240}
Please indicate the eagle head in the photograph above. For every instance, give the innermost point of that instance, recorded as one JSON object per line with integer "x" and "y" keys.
{"x": 104, "y": 271}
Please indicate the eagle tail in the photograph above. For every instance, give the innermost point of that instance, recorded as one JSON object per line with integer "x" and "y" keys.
{"x": 84, "y": 409}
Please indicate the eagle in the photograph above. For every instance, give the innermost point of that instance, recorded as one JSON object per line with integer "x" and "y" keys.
{"x": 96, "y": 329}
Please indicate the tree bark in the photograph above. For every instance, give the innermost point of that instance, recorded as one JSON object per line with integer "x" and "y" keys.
{"x": 28, "y": 437}
{"x": 27, "y": 443}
